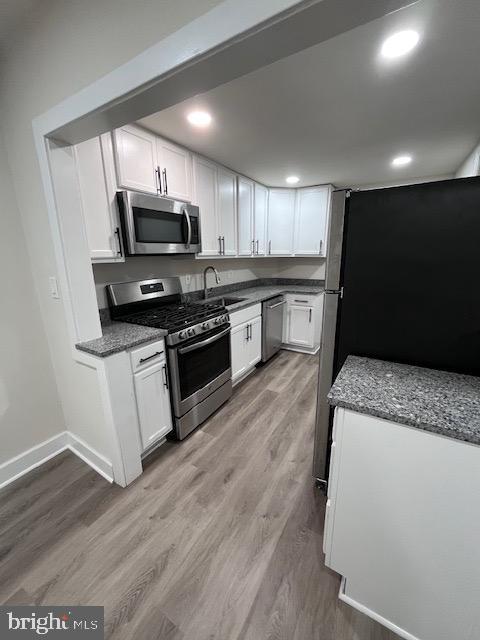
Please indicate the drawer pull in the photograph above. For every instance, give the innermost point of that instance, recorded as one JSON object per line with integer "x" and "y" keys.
{"x": 301, "y": 301}
{"x": 157, "y": 353}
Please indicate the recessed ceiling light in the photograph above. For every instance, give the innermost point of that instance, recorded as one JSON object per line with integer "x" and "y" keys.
{"x": 292, "y": 179}
{"x": 199, "y": 118}
{"x": 401, "y": 161}
{"x": 400, "y": 43}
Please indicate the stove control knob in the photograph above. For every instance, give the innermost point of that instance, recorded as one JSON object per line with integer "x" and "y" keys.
{"x": 205, "y": 326}
{"x": 216, "y": 320}
{"x": 191, "y": 332}
{"x": 182, "y": 335}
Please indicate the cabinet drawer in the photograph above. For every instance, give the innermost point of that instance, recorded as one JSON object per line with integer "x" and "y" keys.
{"x": 147, "y": 355}
{"x": 301, "y": 299}
{"x": 244, "y": 315}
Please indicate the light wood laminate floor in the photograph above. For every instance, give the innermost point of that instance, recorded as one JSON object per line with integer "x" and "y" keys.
{"x": 220, "y": 538}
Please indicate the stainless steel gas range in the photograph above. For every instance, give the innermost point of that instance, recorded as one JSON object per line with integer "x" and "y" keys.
{"x": 198, "y": 345}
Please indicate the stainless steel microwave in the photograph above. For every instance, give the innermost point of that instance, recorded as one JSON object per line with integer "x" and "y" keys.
{"x": 155, "y": 225}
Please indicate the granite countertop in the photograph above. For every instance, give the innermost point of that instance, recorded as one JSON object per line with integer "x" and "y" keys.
{"x": 118, "y": 336}
{"x": 437, "y": 401}
{"x": 253, "y": 295}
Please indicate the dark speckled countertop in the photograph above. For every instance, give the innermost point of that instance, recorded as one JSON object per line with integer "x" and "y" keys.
{"x": 119, "y": 336}
{"x": 254, "y": 295}
{"x": 437, "y": 401}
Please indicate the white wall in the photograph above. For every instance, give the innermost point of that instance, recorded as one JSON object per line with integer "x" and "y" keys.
{"x": 62, "y": 46}
{"x": 230, "y": 271}
{"x": 30, "y": 410}
{"x": 471, "y": 165}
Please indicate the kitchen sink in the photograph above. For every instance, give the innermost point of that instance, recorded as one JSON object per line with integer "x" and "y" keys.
{"x": 228, "y": 301}
{"x": 225, "y": 301}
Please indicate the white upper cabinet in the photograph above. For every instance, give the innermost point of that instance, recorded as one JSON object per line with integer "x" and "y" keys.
{"x": 175, "y": 168}
{"x": 281, "y": 217}
{"x": 205, "y": 197}
{"x": 312, "y": 209}
{"x": 245, "y": 216}
{"x": 226, "y": 209}
{"x": 260, "y": 220}
{"x": 136, "y": 158}
{"x": 148, "y": 163}
{"x": 97, "y": 187}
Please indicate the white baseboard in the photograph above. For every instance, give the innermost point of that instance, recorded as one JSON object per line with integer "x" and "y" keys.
{"x": 94, "y": 459}
{"x": 312, "y": 352}
{"x": 371, "y": 614}
{"x": 20, "y": 465}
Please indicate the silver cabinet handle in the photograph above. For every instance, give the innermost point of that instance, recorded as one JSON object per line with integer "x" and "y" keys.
{"x": 249, "y": 331}
{"x": 119, "y": 250}
{"x": 220, "y": 245}
{"x": 204, "y": 343}
{"x": 247, "y": 338}
{"x": 165, "y": 376}
{"x": 300, "y": 300}
{"x": 279, "y": 304}
{"x": 189, "y": 227}
{"x": 159, "y": 179}
{"x": 223, "y": 245}
{"x": 252, "y": 251}
{"x": 165, "y": 184}
{"x": 269, "y": 247}
{"x": 157, "y": 353}
{"x": 257, "y": 247}
{"x": 310, "y": 316}
{"x": 321, "y": 245}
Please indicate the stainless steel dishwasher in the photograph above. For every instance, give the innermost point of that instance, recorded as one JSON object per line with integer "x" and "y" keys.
{"x": 272, "y": 326}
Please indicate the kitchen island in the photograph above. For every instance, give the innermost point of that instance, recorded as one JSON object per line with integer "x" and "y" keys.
{"x": 403, "y": 509}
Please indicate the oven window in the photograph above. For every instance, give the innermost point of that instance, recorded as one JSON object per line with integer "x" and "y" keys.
{"x": 198, "y": 368}
{"x": 158, "y": 226}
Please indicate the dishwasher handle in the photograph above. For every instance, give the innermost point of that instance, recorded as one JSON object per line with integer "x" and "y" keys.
{"x": 278, "y": 304}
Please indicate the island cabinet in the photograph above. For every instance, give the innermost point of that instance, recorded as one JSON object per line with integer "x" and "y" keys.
{"x": 402, "y": 526}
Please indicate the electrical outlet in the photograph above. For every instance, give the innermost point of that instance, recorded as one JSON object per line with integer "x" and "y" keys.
{"x": 188, "y": 279}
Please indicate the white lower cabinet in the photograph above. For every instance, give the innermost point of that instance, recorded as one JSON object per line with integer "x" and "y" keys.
{"x": 153, "y": 403}
{"x": 246, "y": 341}
{"x": 303, "y": 322}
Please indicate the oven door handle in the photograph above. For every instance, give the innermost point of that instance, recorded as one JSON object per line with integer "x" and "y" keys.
{"x": 203, "y": 343}
{"x": 189, "y": 227}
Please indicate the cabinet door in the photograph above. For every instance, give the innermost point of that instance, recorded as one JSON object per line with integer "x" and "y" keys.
{"x": 239, "y": 351}
{"x": 176, "y": 169}
{"x": 311, "y": 221}
{"x": 301, "y": 326}
{"x": 96, "y": 180}
{"x": 255, "y": 342}
{"x": 281, "y": 216}
{"x": 136, "y": 156}
{"x": 260, "y": 219}
{"x": 205, "y": 196}
{"x": 245, "y": 217}
{"x": 153, "y": 403}
{"x": 227, "y": 210}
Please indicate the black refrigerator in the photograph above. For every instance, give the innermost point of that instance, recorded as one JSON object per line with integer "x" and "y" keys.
{"x": 402, "y": 284}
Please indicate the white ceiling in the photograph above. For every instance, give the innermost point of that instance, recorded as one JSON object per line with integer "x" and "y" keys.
{"x": 338, "y": 113}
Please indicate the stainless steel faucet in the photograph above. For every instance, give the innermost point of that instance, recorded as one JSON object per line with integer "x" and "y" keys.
{"x": 217, "y": 279}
